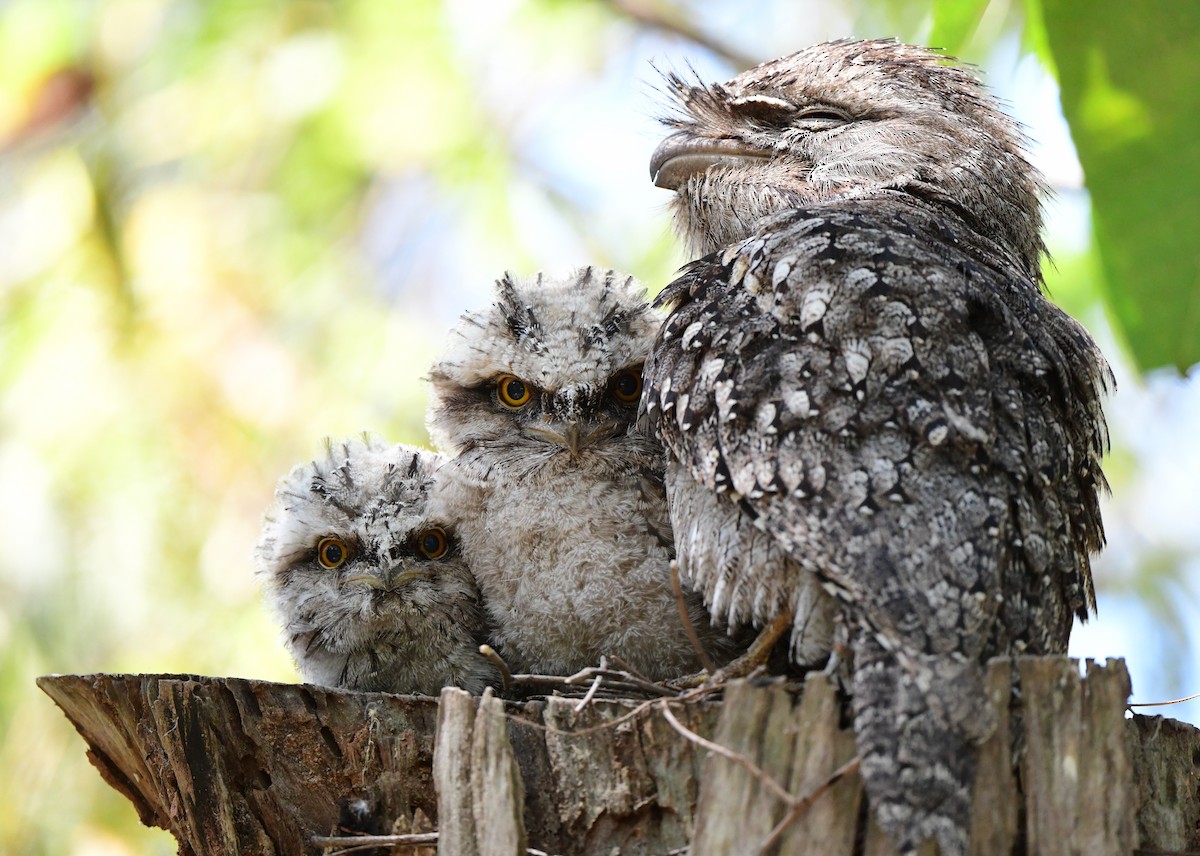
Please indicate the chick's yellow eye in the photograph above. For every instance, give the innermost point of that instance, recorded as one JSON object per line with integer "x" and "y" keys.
{"x": 512, "y": 391}
{"x": 332, "y": 553}
{"x": 626, "y": 385}
{"x": 433, "y": 543}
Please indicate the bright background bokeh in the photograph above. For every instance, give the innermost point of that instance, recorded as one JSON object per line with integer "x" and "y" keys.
{"x": 229, "y": 228}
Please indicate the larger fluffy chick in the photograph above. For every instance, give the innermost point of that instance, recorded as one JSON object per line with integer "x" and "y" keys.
{"x": 558, "y": 491}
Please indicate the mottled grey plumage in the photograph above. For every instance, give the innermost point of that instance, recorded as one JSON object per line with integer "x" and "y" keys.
{"x": 864, "y": 369}
{"x": 371, "y": 590}
{"x": 559, "y": 492}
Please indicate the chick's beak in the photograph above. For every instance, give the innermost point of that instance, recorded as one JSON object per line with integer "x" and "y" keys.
{"x": 399, "y": 577}
{"x": 576, "y": 439}
{"x": 570, "y": 438}
{"x": 370, "y": 580}
{"x": 394, "y": 580}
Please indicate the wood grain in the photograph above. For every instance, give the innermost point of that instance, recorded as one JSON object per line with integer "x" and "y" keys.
{"x": 240, "y": 766}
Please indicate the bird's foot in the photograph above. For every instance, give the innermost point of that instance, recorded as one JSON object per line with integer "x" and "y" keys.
{"x": 756, "y": 657}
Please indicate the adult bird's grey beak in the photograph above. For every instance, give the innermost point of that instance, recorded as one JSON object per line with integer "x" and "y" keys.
{"x": 682, "y": 155}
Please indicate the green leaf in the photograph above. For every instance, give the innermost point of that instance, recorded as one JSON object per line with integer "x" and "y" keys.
{"x": 955, "y": 22}
{"x": 1131, "y": 92}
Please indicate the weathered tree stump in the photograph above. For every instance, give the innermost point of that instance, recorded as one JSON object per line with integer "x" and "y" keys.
{"x": 236, "y": 766}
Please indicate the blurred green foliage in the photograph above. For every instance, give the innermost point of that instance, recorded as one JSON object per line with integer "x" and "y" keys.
{"x": 1130, "y": 80}
{"x": 186, "y": 312}
{"x": 232, "y": 227}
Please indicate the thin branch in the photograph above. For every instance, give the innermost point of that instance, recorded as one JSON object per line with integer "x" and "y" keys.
{"x": 674, "y": 21}
{"x": 804, "y": 804}
{"x": 615, "y": 681}
{"x": 361, "y": 842}
{"x": 591, "y": 693}
{"x": 687, "y": 698}
{"x": 624, "y": 664}
{"x": 626, "y": 681}
{"x": 613, "y": 690}
{"x": 689, "y": 628}
{"x": 501, "y": 666}
{"x": 725, "y": 752}
{"x": 594, "y": 729}
{"x": 1164, "y": 703}
{"x": 797, "y": 806}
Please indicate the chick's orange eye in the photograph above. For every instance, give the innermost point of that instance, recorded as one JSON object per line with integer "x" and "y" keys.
{"x": 433, "y": 543}
{"x": 332, "y": 553}
{"x": 626, "y": 385}
{"x": 512, "y": 391}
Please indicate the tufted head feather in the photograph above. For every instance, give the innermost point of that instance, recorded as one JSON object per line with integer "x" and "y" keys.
{"x": 568, "y": 342}
{"x": 370, "y": 498}
{"x": 362, "y": 486}
{"x": 847, "y": 119}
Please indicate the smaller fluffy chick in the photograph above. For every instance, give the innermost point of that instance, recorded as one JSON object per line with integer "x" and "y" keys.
{"x": 371, "y": 592}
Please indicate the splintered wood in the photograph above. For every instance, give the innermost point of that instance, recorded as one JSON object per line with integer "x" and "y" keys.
{"x": 794, "y": 749}
{"x": 237, "y": 766}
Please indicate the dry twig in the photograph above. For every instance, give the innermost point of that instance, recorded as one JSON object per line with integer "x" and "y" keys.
{"x": 800, "y": 806}
{"x": 624, "y": 664}
{"x": 591, "y": 693}
{"x": 674, "y": 21}
{"x": 1163, "y": 703}
{"x": 758, "y": 772}
{"x": 797, "y": 806}
{"x": 690, "y": 629}
{"x": 496, "y": 660}
{"x": 363, "y": 842}
{"x": 686, "y": 698}
{"x": 624, "y": 680}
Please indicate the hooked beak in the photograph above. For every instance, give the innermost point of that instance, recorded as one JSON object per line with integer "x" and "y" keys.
{"x": 572, "y": 438}
{"x": 394, "y": 580}
{"x": 682, "y": 155}
{"x": 568, "y": 439}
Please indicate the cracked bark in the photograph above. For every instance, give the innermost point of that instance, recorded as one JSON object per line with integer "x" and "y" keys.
{"x": 239, "y": 766}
